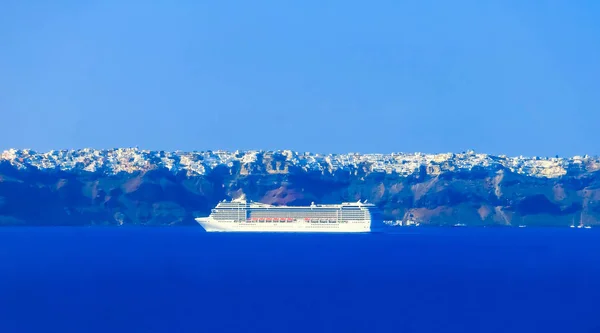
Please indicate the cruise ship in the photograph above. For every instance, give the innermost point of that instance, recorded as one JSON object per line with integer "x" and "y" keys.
{"x": 241, "y": 216}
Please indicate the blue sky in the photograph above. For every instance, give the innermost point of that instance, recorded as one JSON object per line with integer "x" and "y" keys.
{"x": 512, "y": 77}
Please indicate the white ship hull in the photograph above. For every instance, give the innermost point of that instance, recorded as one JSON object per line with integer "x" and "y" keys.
{"x": 211, "y": 225}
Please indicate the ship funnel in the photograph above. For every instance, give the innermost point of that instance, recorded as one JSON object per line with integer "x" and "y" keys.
{"x": 241, "y": 198}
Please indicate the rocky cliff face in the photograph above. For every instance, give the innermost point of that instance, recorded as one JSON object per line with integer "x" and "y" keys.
{"x": 131, "y": 186}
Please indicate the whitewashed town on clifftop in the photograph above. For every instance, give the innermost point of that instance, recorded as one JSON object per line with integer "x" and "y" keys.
{"x": 129, "y": 160}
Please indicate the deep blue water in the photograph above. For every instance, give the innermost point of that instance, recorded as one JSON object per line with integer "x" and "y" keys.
{"x": 185, "y": 280}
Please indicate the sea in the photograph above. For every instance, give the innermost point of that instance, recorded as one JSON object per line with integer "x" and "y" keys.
{"x": 414, "y": 279}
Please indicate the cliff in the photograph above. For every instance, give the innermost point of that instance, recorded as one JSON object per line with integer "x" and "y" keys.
{"x": 132, "y": 186}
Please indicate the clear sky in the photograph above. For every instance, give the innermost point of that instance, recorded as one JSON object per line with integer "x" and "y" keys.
{"x": 507, "y": 76}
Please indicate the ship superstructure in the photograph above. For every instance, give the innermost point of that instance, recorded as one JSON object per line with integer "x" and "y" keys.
{"x": 239, "y": 215}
